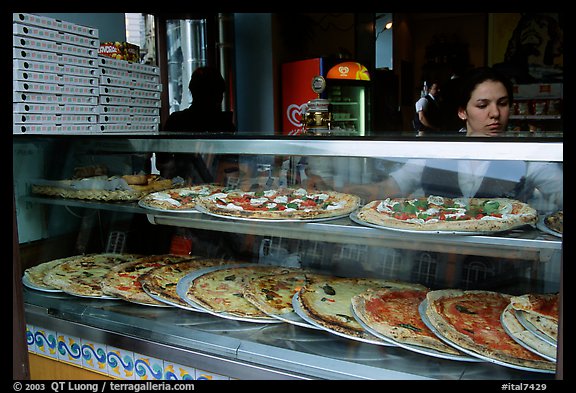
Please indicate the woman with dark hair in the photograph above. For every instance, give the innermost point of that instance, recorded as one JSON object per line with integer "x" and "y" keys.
{"x": 485, "y": 98}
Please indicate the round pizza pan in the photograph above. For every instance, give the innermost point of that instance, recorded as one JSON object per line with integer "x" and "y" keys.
{"x": 143, "y": 205}
{"x": 294, "y": 319}
{"x": 520, "y": 316}
{"x": 171, "y": 303}
{"x": 202, "y": 209}
{"x": 26, "y": 281}
{"x": 103, "y": 297}
{"x": 306, "y": 317}
{"x": 540, "y": 224}
{"x": 354, "y": 217}
{"x": 414, "y": 348}
{"x": 422, "y": 309}
{"x": 521, "y": 342}
{"x": 185, "y": 282}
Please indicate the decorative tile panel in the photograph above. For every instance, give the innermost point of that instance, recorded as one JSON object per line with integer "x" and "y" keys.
{"x": 108, "y": 360}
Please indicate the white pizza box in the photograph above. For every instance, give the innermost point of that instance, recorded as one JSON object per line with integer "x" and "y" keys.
{"x": 54, "y": 98}
{"x": 128, "y": 92}
{"x": 120, "y": 73}
{"x": 105, "y": 99}
{"x": 48, "y": 77}
{"x": 51, "y": 57}
{"x": 538, "y": 91}
{"x": 53, "y": 88}
{"x": 109, "y": 62}
{"x": 54, "y": 35}
{"x": 127, "y": 118}
{"x": 127, "y": 109}
{"x": 52, "y": 46}
{"x": 55, "y": 68}
{"x": 42, "y": 118}
{"x": 54, "y": 129}
{"x": 128, "y": 128}
{"x": 27, "y": 107}
{"x": 130, "y": 83}
{"x": 57, "y": 24}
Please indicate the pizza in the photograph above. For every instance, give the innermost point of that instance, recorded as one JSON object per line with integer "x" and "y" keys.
{"x": 35, "y": 274}
{"x": 327, "y": 300}
{"x": 273, "y": 294}
{"x": 555, "y": 221}
{"x": 81, "y": 276}
{"x": 437, "y": 213}
{"x": 280, "y": 204}
{"x": 176, "y": 199}
{"x": 123, "y": 280}
{"x": 523, "y": 336}
{"x": 541, "y": 310}
{"x": 471, "y": 320}
{"x": 393, "y": 313}
{"x": 161, "y": 282}
{"x": 222, "y": 290}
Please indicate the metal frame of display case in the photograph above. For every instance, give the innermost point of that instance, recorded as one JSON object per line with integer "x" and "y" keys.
{"x": 243, "y": 357}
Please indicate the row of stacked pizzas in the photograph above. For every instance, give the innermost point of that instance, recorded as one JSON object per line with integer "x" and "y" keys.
{"x": 518, "y": 331}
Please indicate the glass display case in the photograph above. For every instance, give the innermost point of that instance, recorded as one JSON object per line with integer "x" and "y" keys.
{"x": 526, "y": 259}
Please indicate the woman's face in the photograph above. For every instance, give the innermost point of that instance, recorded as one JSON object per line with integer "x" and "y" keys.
{"x": 487, "y": 111}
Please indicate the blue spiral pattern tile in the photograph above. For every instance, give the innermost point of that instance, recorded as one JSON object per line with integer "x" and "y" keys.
{"x": 143, "y": 369}
{"x": 115, "y": 362}
{"x": 88, "y": 353}
{"x": 72, "y": 350}
{"x": 46, "y": 344}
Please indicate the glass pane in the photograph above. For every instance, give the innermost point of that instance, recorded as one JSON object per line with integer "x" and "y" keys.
{"x": 186, "y": 43}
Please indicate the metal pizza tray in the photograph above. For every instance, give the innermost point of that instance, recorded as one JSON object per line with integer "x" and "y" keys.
{"x": 422, "y": 309}
{"x": 541, "y": 224}
{"x": 354, "y": 217}
{"x": 306, "y": 317}
{"x": 523, "y": 343}
{"x": 411, "y": 347}
{"x": 26, "y": 281}
{"x": 202, "y": 209}
{"x": 171, "y": 303}
{"x": 520, "y": 316}
{"x": 185, "y": 282}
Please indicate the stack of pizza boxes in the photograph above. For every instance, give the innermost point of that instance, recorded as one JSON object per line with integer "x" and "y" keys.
{"x": 55, "y": 76}
{"x": 129, "y": 100}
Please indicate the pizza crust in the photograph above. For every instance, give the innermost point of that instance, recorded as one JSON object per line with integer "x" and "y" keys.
{"x": 435, "y": 312}
{"x": 405, "y": 333}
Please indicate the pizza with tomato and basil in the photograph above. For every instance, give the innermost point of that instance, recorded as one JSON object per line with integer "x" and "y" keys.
{"x": 470, "y": 320}
{"x": 178, "y": 199}
{"x": 280, "y": 204}
{"x": 437, "y": 213}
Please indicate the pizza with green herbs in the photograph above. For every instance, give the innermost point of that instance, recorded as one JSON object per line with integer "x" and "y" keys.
{"x": 280, "y": 204}
{"x": 437, "y": 213}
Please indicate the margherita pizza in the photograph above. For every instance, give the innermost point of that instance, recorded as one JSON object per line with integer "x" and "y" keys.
{"x": 123, "y": 280}
{"x": 280, "y": 204}
{"x": 327, "y": 301}
{"x": 82, "y": 276}
{"x": 161, "y": 282}
{"x": 178, "y": 199}
{"x": 437, "y": 213}
{"x": 221, "y": 290}
{"x": 471, "y": 321}
{"x": 393, "y": 313}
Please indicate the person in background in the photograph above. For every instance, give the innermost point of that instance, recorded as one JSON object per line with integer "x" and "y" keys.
{"x": 484, "y": 101}
{"x": 205, "y": 115}
{"x": 428, "y": 116}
